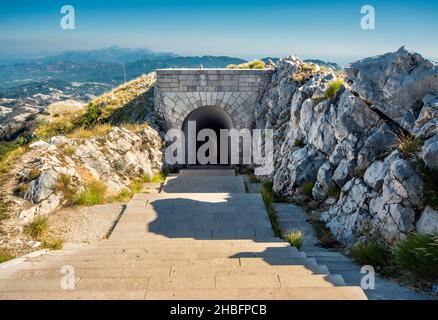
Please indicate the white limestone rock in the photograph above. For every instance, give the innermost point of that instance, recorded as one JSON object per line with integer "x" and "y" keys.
{"x": 429, "y": 152}
{"x": 42, "y": 187}
{"x": 343, "y": 172}
{"x": 428, "y": 222}
{"x": 324, "y": 182}
{"x": 394, "y": 82}
{"x": 402, "y": 185}
{"x": 375, "y": 174}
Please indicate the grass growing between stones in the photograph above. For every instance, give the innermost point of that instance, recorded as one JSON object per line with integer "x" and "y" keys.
{"x": 156, "y": 178}
{"x": 333, "y": 192}
{"x": 298, "y": 143}
{"x": 53, "y": 243}
{"x": 93, "y": 194}
{"x": 331, "y": 91}
{"x": 84, "y": 133}
{"x": 306, "y": 189}
{"x": 5, "y": 255}
{"x": 294, "y": 237}
{"x": 408, "y": 145}
{"x": 37, "y": 228}
{"x": 419, "y": 255}
{"x": 307, "y": 70}
{"x": 269, "y": 198}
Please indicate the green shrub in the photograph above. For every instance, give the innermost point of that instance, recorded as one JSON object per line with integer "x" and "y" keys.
{"x": 419, "y": 255}
{"x": 374, "y": 253}
{"x": 294, "y": 237}
{"x": 53, "y": 244}
{"x": 5, "y": 255}
{"x": 333, "y": 191}
{"x": 37, "y": 228}
{"x": 256, "y": 64}
{"x": 94, "y": 194}
{"x": 92, "y": 116}
{"x": 298, "y": 143}
{"x": 307, "y": 188}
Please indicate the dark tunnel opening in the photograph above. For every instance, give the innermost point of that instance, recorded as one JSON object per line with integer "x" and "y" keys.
{"x": 212, "y": 118}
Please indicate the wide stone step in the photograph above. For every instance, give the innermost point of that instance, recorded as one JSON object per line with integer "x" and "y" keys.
{"x": 177, "y": 271}
{"x": 286, "y": 254}
{"x": 75, "y": 295}
{"x": 331, "y": 293}
{"x": 202, "y": 281}
{"x": 153, "y": 253}
{"x": 204, "y": 184}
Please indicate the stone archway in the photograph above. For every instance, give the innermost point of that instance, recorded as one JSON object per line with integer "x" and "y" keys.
{"x": 178, "y": 92}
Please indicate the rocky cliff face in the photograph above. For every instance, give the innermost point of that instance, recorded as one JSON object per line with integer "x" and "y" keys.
{"x": 344, "y": 136}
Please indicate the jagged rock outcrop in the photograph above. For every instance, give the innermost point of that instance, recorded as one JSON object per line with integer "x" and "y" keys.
{"x": 395, "y": 83}
{"x": 348, "y": 140}
{"x": 114, "y": 159}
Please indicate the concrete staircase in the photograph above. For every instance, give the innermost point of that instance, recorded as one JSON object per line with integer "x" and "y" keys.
{"x": 182, "y": 243}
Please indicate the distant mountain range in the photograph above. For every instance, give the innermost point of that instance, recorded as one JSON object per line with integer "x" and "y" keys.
{"x": 88, "y": 73}
{"x": 107, "y": 66}
{"x": 113, "y": 54}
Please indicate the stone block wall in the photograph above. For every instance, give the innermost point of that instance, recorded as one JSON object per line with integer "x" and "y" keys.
{"x": 178, "y": 92}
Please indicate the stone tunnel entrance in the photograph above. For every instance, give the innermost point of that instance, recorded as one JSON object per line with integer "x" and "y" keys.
{"x": 213, "y": 118}
{"x": 214, "y": 98}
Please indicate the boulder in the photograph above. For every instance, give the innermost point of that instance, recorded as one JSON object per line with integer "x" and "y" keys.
{"x": 27, "y": 215}
{"x": 375, "y": 174}
{"x": 42, "y": 187}
{"x": 392, "y": 222}
{"x": 402, "y": 185}
{"x": 304, "y": 165}
{"x": 38, "y": 144}
{"x": 323, "y": 182}
{"x": 379, "y": 142}
{"x": 428, "y": 222}
{"x": 394, "y": 82}
{"x": 350, "y": 216}
{"x": 429, "y": 152}
{"x": 344, "y": 172}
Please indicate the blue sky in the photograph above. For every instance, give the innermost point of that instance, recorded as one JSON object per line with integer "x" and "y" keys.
{"x": 312, "y": 29}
